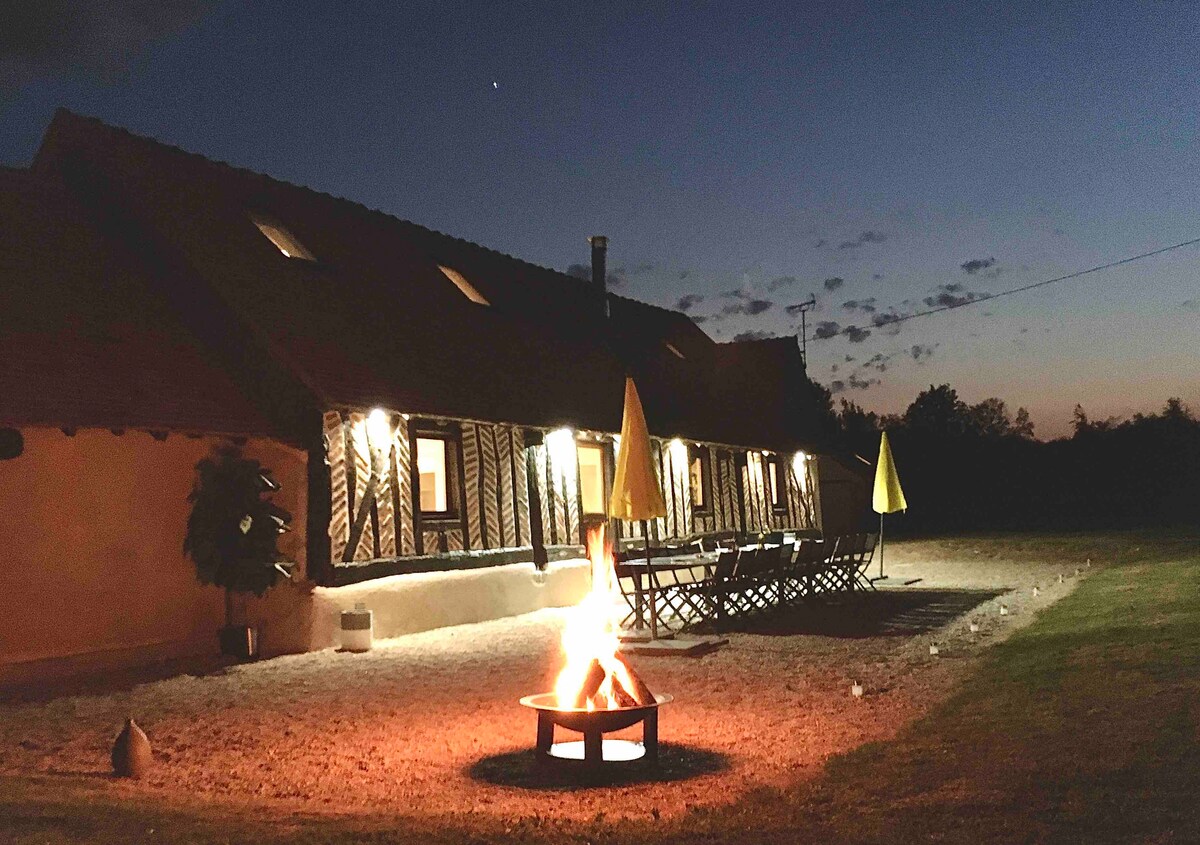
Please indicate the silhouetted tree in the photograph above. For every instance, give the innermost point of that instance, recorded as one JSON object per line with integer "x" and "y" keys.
{"x": 989, "y": 418}
{"x": 938, "y": 412}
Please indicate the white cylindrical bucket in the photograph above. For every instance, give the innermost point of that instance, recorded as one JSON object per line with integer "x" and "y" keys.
{"x": 357, "y": 628}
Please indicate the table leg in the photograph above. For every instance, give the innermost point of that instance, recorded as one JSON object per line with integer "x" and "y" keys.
{"x": 639, "y": 602}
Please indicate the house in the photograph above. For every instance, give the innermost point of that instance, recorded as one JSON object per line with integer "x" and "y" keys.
{"x": 442, "y": 416}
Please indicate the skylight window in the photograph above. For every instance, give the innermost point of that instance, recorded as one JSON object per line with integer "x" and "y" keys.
{"x": 673, "y": 349}
{"x": 284, "y": 240}
{"x": 460, "y": 282}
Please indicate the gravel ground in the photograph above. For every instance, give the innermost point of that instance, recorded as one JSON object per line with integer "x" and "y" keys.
{"x": 430, "y": 724}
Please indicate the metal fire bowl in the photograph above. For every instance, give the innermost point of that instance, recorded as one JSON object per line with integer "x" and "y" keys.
{"x": 586, "y": 721}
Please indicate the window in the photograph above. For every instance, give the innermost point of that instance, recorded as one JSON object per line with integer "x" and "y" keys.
{"x": 592, "y": 481}
{"x": 673, "y": 349}
{"x": 701, "y": 482}
{"x": 284, "y": 240}
{"x": 435, "y": 461}
{"x": 460, "y": 281}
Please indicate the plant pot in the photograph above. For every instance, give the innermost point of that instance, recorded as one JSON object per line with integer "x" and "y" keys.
{"x": 240, "y": 641}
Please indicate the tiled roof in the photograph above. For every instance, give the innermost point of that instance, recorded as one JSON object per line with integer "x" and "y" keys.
{"x": 373, "y": 321}
{"x": 87, "y": 339}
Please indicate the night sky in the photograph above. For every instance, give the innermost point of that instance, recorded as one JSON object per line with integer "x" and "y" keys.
{"x": 738, "y": 157}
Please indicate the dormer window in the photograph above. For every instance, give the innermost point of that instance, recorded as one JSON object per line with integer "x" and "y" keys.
{"x": 673, "y": 349}
{"x": 460, "y": 281}
{"x": 284, "y": 241}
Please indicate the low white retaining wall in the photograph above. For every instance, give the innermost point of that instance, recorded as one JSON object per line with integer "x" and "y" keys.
{"x": 406, "y": 604}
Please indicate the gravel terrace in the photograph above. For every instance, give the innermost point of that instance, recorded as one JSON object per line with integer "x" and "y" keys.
{"x": 429, "y": 723}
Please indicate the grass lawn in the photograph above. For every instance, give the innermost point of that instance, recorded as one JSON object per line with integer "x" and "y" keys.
{"x": 1079, "y": 728}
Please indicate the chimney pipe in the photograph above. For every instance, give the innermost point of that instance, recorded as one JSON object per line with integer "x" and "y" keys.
{"x": 600, "y": 270}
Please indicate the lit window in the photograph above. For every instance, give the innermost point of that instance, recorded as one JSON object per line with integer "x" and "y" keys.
{"x": 460, "y": 282}
{"x": 591, "y": 478}
{"x": 284, "y": 240}
{"x": 699, "y": 477}
{"x": 433, "y": 468}
{"x": 673, "y": 349}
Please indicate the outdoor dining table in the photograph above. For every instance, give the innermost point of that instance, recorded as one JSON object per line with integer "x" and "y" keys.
{"x": 639, "y": 567}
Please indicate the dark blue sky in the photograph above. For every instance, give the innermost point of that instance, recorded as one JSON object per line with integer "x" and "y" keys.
{"x": 740, "y": 153}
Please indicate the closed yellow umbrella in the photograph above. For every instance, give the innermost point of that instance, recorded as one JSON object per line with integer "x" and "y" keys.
{"x": 636, "y": 495}
{"x": 888, "y": 496}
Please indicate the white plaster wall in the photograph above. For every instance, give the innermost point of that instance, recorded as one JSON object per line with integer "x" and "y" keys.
{"x": 406, "y": 604}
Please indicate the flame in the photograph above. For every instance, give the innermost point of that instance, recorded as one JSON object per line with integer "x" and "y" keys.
{"x": 591, "y": 634}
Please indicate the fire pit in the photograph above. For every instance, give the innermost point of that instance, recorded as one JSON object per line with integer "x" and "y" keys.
{"x": 593, "y": 724}
{"x": 597, "y": 691}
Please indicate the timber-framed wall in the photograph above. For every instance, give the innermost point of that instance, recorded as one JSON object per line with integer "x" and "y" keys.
{"x": 514, "y": 494}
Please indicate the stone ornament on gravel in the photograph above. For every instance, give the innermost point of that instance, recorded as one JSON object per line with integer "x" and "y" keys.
{"x": 131, "y": 754}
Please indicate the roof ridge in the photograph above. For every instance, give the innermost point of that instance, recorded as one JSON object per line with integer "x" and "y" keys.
{"x": 146, "y": 139}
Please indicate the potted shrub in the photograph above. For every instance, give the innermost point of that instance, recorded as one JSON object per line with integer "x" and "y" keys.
{"x": 232, "y": 536}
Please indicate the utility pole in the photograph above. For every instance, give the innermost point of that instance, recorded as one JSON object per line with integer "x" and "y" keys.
{"x": 805, "y": 306}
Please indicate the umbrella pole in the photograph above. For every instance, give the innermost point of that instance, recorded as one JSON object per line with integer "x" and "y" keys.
{"x": 650, "y": 582}
{"x": 881, "y": 544}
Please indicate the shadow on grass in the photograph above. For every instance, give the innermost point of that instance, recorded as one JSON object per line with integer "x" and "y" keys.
{"x": 520, "y": 769}
{"x": 887, "y": 613}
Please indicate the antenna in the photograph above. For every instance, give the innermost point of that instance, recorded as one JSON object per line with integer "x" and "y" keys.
{"x": 805, "y": 306}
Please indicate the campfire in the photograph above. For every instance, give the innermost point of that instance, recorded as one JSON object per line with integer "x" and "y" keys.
{"x": 596, "y": 675}
{"x": 597, "y": 691}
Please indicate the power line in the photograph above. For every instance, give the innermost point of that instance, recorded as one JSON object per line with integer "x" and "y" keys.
{"x": 892, "y": 320}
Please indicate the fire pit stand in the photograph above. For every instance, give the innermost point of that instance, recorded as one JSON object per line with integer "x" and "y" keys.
{"x": 595, "y": 751}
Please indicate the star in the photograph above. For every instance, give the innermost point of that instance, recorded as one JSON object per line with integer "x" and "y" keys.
{"x": 495, "y": 84}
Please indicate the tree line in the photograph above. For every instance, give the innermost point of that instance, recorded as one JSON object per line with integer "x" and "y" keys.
{"x": 978, "y": 467}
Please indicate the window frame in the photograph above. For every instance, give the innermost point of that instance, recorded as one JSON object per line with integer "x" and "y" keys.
{"x": 464, "y": 286}
{"x": 453, "y": 461}
{"x": 704, "y": 454}
{"x": 602, "y": 450}
{"x": 298, "y": 251}
{"x": 777, "y": 493}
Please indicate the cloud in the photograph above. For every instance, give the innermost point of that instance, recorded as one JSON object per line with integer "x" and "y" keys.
{"x": 751, "y": 307}
{"x": 1192, "y": 305}
{"x": 878, "y": 362}
{"x": 58, "y": 37}
{"x": 834, "y": 282}
{"x": 826, "y": 329}
{"x": 688, "y": 301}
{"x": 753, "y": 335}
{"x": 884, "y": 318}
{"x": 850, "y": 359}
{"x": 952, "y": 296}
{"x": 699, "y": 318}
{"x": 781, "y": 282}
{"x": 616, "y": 277}
{"x": 820, "y": 243}
{"x": 683, "y": 274}
{"x": 867, "y": 305}
{"x": 837, "y": 386}
{"x": 877, "y": 276}
{"x": 922, "y": 352}
{"x": 857, "y": 382}
{"x": 833, "y": 368}
{"x": 974, "y": 265}
{"x": 870, "y": 236}
{"x": 857, "y": 335}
